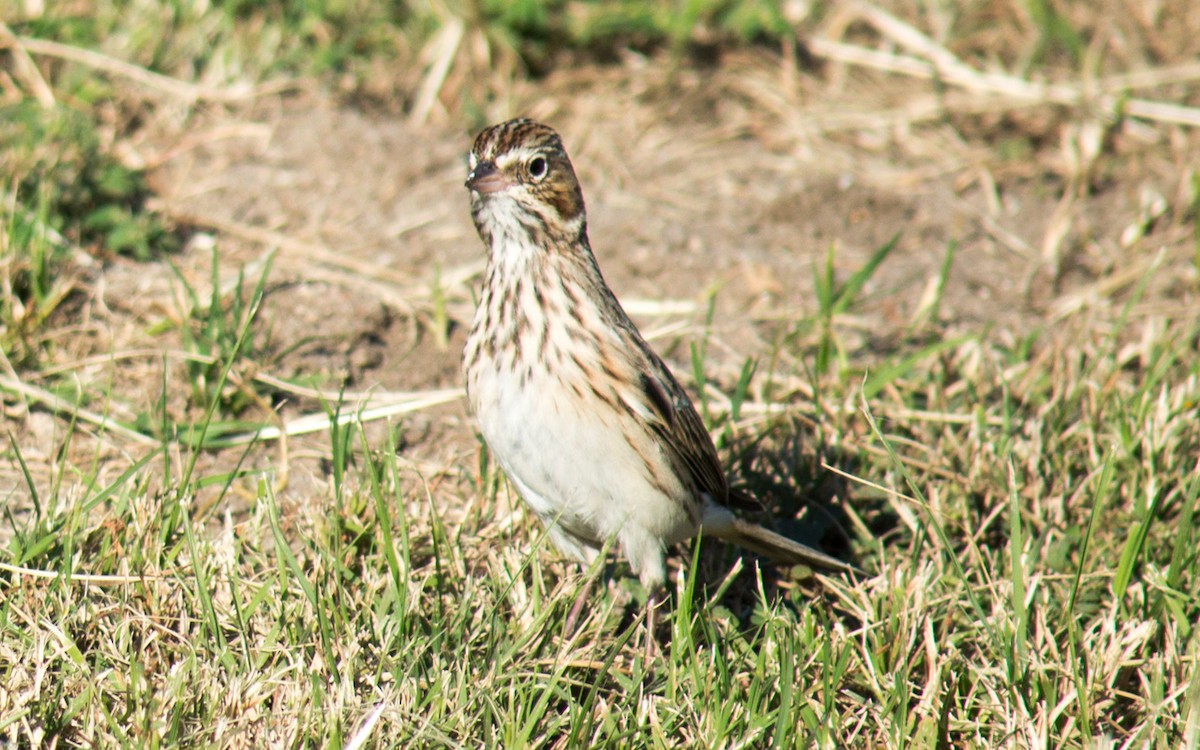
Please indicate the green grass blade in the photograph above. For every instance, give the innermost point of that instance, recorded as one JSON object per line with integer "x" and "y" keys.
{"x": 847, "y": 293}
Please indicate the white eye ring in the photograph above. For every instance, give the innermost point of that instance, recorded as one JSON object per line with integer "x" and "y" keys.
{"x": 538, "y": 167}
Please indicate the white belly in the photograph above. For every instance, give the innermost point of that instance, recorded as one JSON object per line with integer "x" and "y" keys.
{"x": 574, "y": 464}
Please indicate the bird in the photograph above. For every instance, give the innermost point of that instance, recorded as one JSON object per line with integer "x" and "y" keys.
{"x": 597, "y": 436}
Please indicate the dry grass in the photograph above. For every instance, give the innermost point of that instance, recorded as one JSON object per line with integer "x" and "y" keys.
{"x": 243, "y": 506}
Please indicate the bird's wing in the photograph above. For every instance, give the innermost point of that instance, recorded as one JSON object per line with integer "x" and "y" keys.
{"x": 665, "y": 407}
{"x": 662, "y": 404}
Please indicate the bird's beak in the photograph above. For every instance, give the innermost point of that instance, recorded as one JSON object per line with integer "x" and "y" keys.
{"x": 485, "y": 178}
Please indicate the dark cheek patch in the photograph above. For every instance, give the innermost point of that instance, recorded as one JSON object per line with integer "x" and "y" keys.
{"x": 567, "y": 203}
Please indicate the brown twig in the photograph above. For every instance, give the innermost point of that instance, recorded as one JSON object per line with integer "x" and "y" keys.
{"x": 24, "y": 68}
{"x": 183, "y": 90}
{"x": 61, "y": 405}
{"x": 933, "y": 61}
{"x": 441, "y": 50}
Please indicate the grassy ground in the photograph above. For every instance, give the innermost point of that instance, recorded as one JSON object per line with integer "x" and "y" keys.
{"x": 1018, "y": 474}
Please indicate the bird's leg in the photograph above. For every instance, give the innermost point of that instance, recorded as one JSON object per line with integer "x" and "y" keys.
{"x": 653, "y": 602}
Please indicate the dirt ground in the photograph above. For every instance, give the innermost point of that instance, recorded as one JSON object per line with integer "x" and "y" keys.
{"x": 735, "y": 180}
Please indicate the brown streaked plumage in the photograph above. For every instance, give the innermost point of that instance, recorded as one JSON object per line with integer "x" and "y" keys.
{"x": 589, "y": 424}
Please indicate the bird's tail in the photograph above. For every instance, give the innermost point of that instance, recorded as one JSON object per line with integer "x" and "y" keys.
{"x": 751, "y": 536}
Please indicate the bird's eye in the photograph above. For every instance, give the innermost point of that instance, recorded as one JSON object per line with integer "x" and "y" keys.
{"x": 538, "y": 167}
